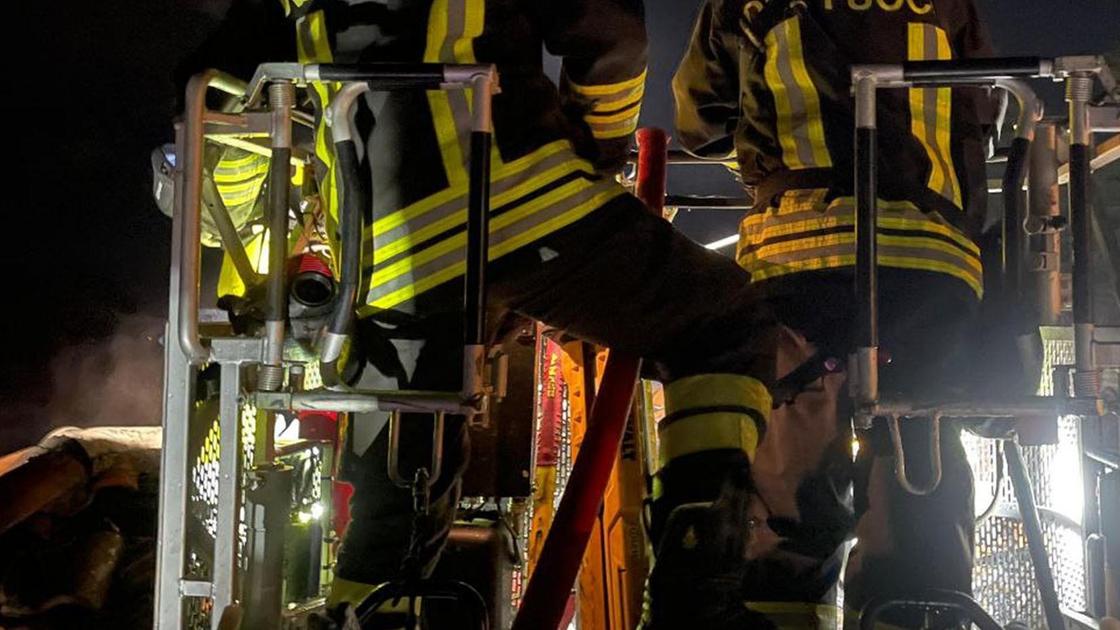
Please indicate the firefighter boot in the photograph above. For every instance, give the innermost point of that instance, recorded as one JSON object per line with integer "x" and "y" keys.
{"x": 700, "y": 526}
{"x": 346, "y": 597}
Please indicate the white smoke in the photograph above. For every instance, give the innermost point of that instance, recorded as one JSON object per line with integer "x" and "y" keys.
{"x": 115, "y": 381}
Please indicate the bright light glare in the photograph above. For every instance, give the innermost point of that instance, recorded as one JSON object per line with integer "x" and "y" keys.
{"x": 316, "y": 511}
{"x": 1068, "y": 497}
{"x": 723, "y": 242}
{"x": 286, "y": 432}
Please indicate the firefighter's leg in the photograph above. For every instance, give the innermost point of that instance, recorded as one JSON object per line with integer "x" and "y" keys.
{"x": 801, "y": 512}
{"x": 626, "y": 279}
{"x": 623, "y": 278}
{"x": 384, "y": 527}
{"x": 701, "y": 524}
{"x": 908, "y": 543}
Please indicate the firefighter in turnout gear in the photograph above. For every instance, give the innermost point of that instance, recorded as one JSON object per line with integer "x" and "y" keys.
{"x": 767, "y": 82}
{"x": 568, "y": 245}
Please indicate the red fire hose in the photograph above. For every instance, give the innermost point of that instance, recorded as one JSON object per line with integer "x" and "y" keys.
{"x": 653, "y": 158}
{"x": 546, "y": 595}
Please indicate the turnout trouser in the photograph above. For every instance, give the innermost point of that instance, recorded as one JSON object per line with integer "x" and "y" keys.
{"x": 804, "y": 468}
{"x": 621, "y": 277}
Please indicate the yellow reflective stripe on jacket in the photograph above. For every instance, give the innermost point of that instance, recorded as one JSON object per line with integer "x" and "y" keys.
{"x": 424, "y": 244}
{"x": 288, "y": 4}
{"x": 313, "y": 46}
{"x": 806, "y": 234}
{"x": 615, "y": 106}
{"x": 931, "y": 111}
{"x": 710, "y": 412}
{"x": 612, "y": 91}
{"x": 345, "y": 591}
{"x": 231, "y": 168}
{"x": 799, "y": 125}
{"x": 239, "y": 179}
{"x": 229, "y": 281}
{"x": 518, "y": 225}
{"x": 452, "y": 27}
{"x": 508, "y": 183}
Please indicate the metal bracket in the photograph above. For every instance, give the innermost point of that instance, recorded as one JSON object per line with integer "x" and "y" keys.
{"x": 900, "y": 457}
{"x": 1077, "y": 64}
{"x": 365, "y": 401}
{"x": 269, "y": 72}
{"x": 1045, "y": 261}
{"x": 434, "y": 470}
{"x": 1007, "y": 408}
{"x": 238, "y": 350}
{"x": 1104, "y": 118}
{"x": 195, "y": 588}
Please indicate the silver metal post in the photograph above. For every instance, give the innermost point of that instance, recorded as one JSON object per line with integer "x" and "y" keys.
{"x": 1079, "y": 88}
{"x": 186, "y": 257}
{"x": 225, "y": 577}
{"x": 178, "y": 406}
{"x": 178, "y": 399}
{"x": 1045, "y": 211}
{"x": 281, "y": 100}
{"x": 268, "y": 508}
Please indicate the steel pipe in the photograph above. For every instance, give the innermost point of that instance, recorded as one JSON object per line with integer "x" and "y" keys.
{"x": 1078, "y": 92}
{"x": 1032, "y": 526}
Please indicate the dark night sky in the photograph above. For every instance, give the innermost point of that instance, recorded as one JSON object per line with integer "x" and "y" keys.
{"x": 87, "y": 252}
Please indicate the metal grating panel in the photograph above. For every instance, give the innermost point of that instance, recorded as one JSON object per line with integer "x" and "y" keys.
{"x": 307, "y": 482}
{"x": 1003, "y": 579}
{"x": 204, "y": 473}
{"x": 1057, "y": 349}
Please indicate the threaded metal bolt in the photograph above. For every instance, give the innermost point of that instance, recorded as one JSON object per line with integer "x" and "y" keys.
{"x": 1079, "y": 89}
{"x": 270, "y": 378}
{"x": 1087, "y": 383}
{"x": 281, "y": 95}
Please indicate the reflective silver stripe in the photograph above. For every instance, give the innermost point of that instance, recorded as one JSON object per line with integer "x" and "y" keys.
{"x": 797, "y": 105}
{"x": 613, "y": 129}
{"x": 931, "y": 112}
{"x": 783, "y": 241}
{"x": 798, "y": 128}
{"x": 504, "y": 237}
{"x": 461, "y": 112}
{"x": 805, "y": 210}
{"x": 444, "y": 210}
{"x": 456, "y": 28}
{"x": 610, "y": 95}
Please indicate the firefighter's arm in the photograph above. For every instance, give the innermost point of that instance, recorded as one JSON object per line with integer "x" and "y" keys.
{"x": 706, "y": 84}
{"x": 970, "y": 40}
{"x": 604, "y": 48}
{"x": 250, "y": 33}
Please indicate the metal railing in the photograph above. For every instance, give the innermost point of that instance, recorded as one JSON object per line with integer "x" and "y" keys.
{"x": 187, "y": 350}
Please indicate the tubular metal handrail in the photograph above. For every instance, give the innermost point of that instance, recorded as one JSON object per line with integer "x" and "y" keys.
{"x": 186, "y": 348}
{"x": 1078, "y": 74}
